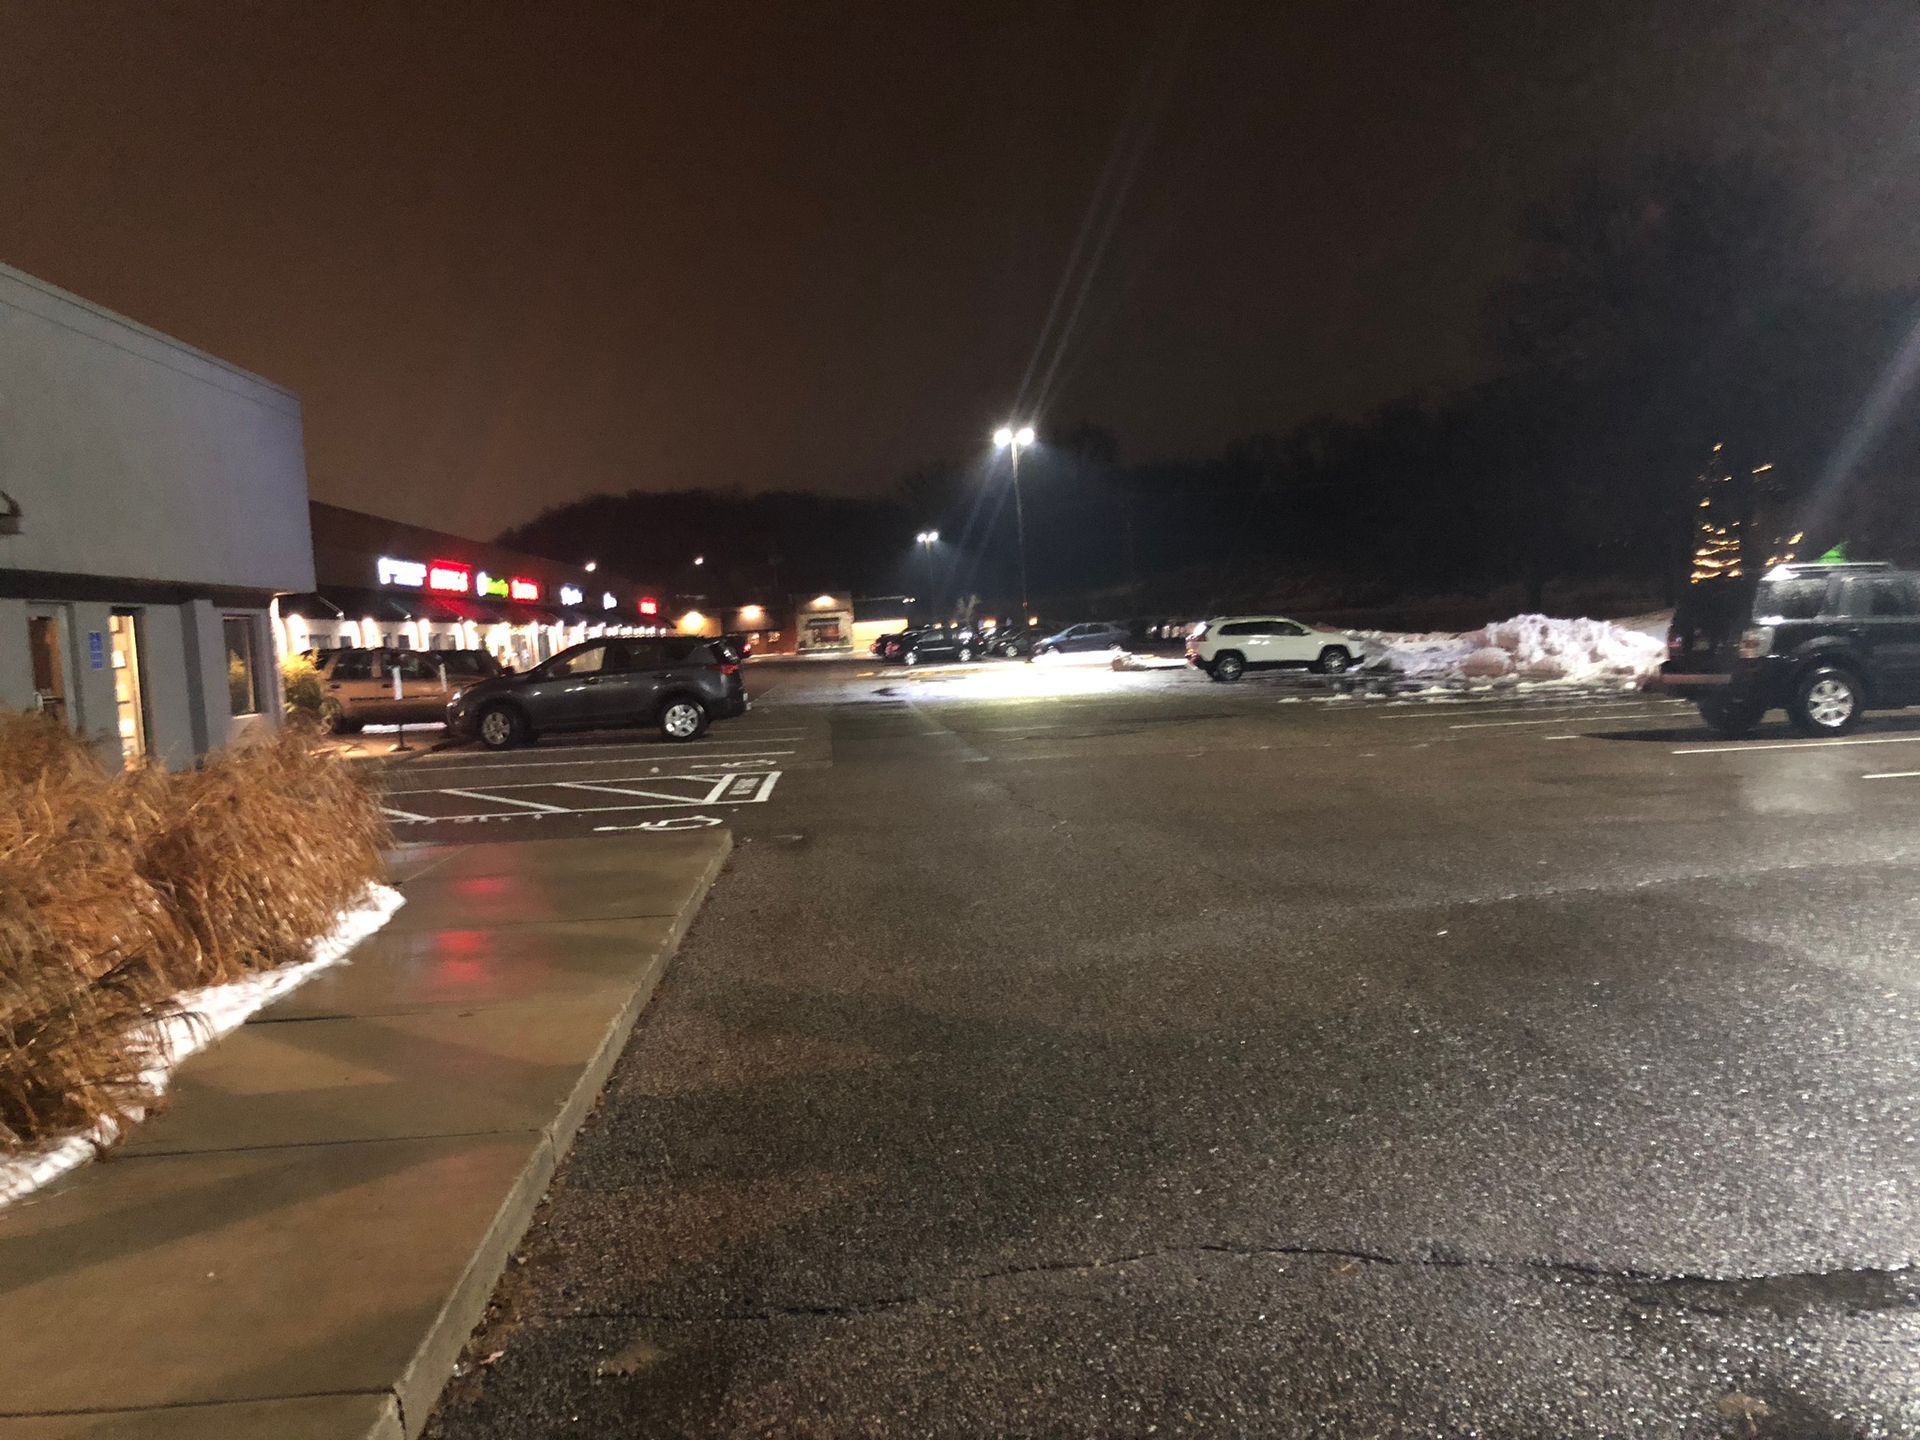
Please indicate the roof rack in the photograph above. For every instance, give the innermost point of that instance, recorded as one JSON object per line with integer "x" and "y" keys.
{"x": 1831, "y": 567}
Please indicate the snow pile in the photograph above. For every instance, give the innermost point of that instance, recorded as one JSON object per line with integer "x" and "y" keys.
{"x": 1533, "y": 648}
{"x": 1127, "y": 660}
{"x": 1101, "y": 658}
{"x": 204, "y": 1016}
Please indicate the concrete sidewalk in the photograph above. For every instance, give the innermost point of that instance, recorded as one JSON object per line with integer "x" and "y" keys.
{"x": 300, "y": 1245}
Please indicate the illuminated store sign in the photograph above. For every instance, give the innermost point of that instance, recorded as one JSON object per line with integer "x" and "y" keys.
{"x": 521, "y": 589}
{"x": 649, "y": 605}
{"x": 570, "y": 595}
{"x": 410, "y": 573}
{"x": 449, "y": 578}
{"x": 490, "y": 585}
{"x": 607, "y": 602}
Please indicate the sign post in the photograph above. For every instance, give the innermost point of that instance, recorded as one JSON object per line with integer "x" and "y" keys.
{"x": 399, "y": 694}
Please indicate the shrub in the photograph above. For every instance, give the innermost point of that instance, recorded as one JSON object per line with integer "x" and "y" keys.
{"x": 306, "y": 696}
{"x": 117, "y": 892}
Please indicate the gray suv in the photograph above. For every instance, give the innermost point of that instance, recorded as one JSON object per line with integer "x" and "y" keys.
{"x": 679, "y": 683}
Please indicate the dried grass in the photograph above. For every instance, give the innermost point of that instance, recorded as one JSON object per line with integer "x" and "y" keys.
{"x": 117, "y": 892}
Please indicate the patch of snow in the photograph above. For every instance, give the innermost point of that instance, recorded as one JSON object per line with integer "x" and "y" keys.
{"x": 1102, "y": 658}
{"x": 1529, "y": 649}
{"x": 204, "y": 1015}
{"x": 1127, "y": 660}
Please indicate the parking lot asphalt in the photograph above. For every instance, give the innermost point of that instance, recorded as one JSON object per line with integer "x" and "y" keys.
{"x": 1075, "y": 1052}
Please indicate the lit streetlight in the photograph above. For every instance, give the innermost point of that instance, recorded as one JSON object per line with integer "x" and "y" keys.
{"x": 1013, "y": 439}
{"x": 591, "y": 566}
{"x": 926, "y": 540}
{"x": 699, "y": 559}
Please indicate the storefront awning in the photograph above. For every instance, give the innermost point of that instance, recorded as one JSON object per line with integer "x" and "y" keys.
{"x": 445, "y": 610}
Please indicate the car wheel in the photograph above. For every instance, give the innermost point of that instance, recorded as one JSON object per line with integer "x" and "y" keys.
{"x": 1229, "y": 665}
{"x": 1333, "y": 661}
{"x": 966, "y": 653}
{"x": 912, "y": 657}
{"x": 1728, "y": 720}
{"x": 1826, "y": 701}
{"x": 501, "y": 727}
{"x": 1010, "y": 650}
{"x": 334, "y": 718}
{"x": 683, "y": 718}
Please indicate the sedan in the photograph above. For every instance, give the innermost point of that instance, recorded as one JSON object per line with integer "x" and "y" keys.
{"x": 1099, "y": 635}
{"x": 916, "y": 647}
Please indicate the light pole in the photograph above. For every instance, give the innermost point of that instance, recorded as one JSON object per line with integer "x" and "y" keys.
{"x": 1014, "y": 439}
{"x": 926, "y": 540}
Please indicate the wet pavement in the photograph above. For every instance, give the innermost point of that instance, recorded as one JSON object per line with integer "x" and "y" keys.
{"x": 1124, "y": 1054}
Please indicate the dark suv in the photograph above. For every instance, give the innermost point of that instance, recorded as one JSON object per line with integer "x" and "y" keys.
{"x": 1824, "y": 642}
{"x": 679, "y": 683}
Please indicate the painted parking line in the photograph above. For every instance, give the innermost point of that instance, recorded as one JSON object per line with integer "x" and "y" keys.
{"x": 1894, "y": 775}
{"x": 732, "y": 790}
{"x": 498, "y": 799}
{"x": 1798, "y": 745}
{"x": 676, "y": 756}
{"x": 1561, "y": 720}
{"x": 740, "y": 790}
{"x": 715, "y": 786}
{"x": 394, "y": 813}
{"x": 1440, "y": 709}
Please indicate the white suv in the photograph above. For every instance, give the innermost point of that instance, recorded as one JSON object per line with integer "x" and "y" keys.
{"x": 1228, "y": 647}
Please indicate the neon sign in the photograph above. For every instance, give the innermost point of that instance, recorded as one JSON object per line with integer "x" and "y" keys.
{"x": 649, "y": 605}
{"x": 494, "y": 585}
{"x": 570, "y": 595}
{"x": 521, "y": 589}
{"x": 448, "y": 578}
{"x": 410, "y": 573}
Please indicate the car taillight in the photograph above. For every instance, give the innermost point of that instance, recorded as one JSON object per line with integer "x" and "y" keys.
{"x": 1676, "y": 642}
{"x": 1756, "y": 642}
{"x": 725, "y": 669}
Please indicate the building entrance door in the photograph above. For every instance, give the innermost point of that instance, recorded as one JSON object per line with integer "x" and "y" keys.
{"x": 47, "y": 645}
{"x": 129, "y": 697}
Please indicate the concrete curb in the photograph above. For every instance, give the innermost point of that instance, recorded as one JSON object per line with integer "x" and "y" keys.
{"x": 418, "y": 1387}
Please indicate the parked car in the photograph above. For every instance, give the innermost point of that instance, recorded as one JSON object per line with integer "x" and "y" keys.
{"x": 1097, "y": 635}
{"x": 1227, "y": 647}
{"x": 1010, "y": 643}
{"x": 358, "y": 688}
{"x": 916, "y": 647}
{"x": 680, "y": 683}
{"x": 1825, "y": 643}
{"x": 884, "y": 646}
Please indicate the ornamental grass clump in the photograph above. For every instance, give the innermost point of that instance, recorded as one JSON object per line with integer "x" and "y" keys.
{"x": 118, "y": 892}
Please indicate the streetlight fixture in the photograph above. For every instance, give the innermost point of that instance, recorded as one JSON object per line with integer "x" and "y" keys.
{"x": 926, "y": 540}
{"x": 699, "y": 559}
{"x": 591, "y": 566}
{"x": 1013, "y": 439}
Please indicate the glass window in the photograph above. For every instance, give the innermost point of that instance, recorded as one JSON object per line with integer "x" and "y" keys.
{"x": 352, "y": 665}
{"x": 243, "y": 691}
{"x": 590, "y": 661}
{"x": 1802, "y": 598}
{"x": 1893, "y": 597}
{"x": 1287, "y": 627}
{"x": 1240, "y": 627}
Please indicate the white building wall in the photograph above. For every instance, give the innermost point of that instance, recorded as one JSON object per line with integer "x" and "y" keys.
{"x": 134, "y": 456}
{"x": 153, "y": 479}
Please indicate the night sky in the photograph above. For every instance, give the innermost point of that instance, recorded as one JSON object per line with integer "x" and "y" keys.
{"x": 513, "y": 254}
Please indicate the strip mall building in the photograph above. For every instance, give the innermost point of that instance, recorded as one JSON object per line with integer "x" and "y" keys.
{"x": 153, "y": 501}
{"x": 381, "y": 583}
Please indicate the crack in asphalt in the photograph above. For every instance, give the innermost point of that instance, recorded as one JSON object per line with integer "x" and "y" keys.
{"x": 1870, "y": 1287}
